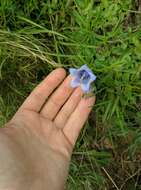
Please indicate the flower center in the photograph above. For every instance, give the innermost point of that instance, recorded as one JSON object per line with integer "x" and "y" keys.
{"x": 84, "y": 75}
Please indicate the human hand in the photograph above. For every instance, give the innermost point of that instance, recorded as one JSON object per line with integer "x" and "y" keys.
{"x": 37, "y": 142}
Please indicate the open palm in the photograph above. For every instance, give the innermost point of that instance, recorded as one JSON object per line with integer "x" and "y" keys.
{"x": 46, "y": 127}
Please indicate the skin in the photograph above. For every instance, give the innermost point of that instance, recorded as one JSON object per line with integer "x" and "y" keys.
{"x": 36, "y": 144}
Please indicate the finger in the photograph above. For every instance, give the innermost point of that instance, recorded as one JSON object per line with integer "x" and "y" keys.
{"x": 39, "y": 95}
{"x": 78, "y": 118}
{"x": 68, "y": 108}
{"x": 57, "y": 99}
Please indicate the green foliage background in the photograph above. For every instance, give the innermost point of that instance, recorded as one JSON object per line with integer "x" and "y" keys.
{"x": 37, "y": 36}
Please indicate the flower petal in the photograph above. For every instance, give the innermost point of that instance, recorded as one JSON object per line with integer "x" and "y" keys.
{"x": 86, "y": 68}
{"x": 73, "y": 71}
{"x": 75, "y": 83}
{"x": 85, "y": 88}
{"x": 92, "y": 76}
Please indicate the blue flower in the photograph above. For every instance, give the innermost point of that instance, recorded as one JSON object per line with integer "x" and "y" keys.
{"x": 82, "y": 77}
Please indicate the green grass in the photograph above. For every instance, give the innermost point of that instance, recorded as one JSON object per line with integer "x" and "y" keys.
{"x": 38, "y": 36}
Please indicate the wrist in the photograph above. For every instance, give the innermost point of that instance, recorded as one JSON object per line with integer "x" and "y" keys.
{"x": 13, "y": 170}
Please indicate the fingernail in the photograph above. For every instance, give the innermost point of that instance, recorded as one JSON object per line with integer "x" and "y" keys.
{"x": 91, "y": 101}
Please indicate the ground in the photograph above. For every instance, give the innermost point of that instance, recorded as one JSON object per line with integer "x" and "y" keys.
{"x": 37, "y": 36}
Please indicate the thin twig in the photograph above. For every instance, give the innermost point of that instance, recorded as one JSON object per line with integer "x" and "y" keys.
{"x": 110, "y": 178}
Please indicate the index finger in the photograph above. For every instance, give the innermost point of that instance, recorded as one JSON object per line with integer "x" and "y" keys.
{"x": 39, "y": 95}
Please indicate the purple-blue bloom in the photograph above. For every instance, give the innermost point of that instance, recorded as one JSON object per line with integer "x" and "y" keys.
{"x": 82, "y": 77}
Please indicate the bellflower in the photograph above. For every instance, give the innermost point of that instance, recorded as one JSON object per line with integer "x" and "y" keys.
{"x": 82, "y": 77}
